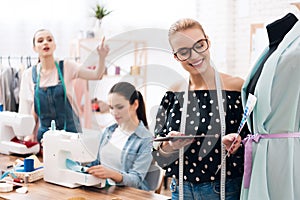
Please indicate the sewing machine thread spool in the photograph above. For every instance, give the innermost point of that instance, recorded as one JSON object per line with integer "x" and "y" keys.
{"x": 28, "y": 165}
{"x": 26, "y": 179}
{"x": 53, "y": 126}
{"x": 117, "y": 70}
{"x": 135, "y": 70}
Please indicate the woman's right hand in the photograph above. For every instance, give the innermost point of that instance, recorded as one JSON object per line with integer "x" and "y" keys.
{"x": 176, "y": 144}
{"x": 103, "y": 172}
{"x": 29, "y": 138}
{"x": 232, "y": 142}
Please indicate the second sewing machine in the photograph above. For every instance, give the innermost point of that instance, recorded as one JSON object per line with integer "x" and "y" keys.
{"x": 65, "y": 154}
{"x": 14, "y": 127}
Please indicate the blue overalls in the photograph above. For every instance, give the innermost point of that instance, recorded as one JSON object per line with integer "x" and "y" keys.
{"x": 51, "y": 103}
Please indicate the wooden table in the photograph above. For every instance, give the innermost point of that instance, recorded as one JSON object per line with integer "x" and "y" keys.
{"x": 41, "y": 190}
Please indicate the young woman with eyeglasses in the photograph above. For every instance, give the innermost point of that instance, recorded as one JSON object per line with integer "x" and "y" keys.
{"x": 202, "y": 155}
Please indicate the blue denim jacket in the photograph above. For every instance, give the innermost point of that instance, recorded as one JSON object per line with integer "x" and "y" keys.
{"x": 136, "y": 155}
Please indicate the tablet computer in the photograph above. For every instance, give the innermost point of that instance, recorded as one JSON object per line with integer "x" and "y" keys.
{"x": 160, "y": 139}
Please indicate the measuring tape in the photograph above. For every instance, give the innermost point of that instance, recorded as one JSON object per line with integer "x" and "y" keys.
{"x": 182, "y": 130}
{"x": 223, "y": 127}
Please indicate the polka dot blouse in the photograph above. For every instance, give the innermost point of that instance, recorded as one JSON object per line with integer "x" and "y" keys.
{"x": 202, "y": 157}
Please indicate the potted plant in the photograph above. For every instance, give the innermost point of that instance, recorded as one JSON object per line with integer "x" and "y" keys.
{"x": 100, "y": 12}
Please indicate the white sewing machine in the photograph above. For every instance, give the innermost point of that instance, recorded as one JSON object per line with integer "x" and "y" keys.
{"x": 81, "y": 147}
{"x": 15, "y": 124}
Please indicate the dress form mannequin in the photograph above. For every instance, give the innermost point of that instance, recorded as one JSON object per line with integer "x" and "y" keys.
{"x": 276, "y": 32}
{"x": 272, "y": 171}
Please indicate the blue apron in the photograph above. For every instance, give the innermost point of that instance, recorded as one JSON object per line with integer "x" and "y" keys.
{"x": 51, "y": 103}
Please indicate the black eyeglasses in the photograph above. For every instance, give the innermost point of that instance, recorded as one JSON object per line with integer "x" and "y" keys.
{"x": 185, "y": 53}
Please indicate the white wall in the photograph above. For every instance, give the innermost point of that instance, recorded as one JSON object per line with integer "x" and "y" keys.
{"x": 227, "y": 24}
{"x": 19, "y": 20}
{"x": 66, "y": 19}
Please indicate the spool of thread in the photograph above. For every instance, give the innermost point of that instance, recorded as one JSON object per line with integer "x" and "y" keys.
{"x": 118, "y": 70}
{"x": 135, "y": 70}
{"x": 53, "y": 125}
{"x": 28, "y": 165}
{"x": 26, "y": 179}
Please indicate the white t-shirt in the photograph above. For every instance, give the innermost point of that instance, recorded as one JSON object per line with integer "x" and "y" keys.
{"x": 111, "y": 153}
{"x": 26, "y": 94}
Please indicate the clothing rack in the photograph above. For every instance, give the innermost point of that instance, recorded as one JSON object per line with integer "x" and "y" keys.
{"x": 17, "y": 57}
{"x": 26, "y": 57}
{"x": 27, "y": 60}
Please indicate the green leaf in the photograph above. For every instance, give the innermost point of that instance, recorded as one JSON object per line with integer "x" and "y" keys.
{"x": 100, "y": 11}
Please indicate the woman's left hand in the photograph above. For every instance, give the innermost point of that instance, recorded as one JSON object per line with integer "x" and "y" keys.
{"x": 232, "y": 142}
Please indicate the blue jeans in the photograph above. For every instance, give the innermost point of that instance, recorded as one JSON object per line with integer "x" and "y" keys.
{"x": 207, "y": 191}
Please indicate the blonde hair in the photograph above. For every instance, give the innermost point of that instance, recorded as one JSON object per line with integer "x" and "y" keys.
{"x": 184, "y": 24}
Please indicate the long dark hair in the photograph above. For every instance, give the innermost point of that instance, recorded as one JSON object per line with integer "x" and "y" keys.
{"x": 128, "y": 91}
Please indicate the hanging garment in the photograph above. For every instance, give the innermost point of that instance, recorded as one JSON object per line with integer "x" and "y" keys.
{"x": 1, "y": 96}
{"x": 9, "y": 85}
{"x": 83, "y": 103}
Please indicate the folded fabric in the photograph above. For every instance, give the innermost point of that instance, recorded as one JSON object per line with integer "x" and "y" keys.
{"x": 75, "y": 166}
{"x": 8, "y": 172}
{"x": 28, "y": 144}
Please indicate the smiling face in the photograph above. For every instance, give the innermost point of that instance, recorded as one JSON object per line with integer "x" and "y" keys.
{"x": 43, "y": 43}
{"x": 121, "y": 109}
{"x": 187, "y": 39}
